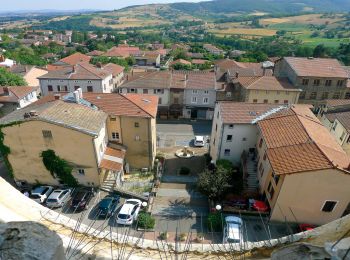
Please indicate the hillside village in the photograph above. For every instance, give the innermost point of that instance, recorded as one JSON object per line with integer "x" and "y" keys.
{"x": 185, "y": 133}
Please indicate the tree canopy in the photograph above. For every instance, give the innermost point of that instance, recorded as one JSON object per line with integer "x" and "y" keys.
{"x": 10, "y": 79}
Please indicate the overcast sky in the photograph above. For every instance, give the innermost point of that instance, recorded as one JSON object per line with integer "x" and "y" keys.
{"x": 19, "y": 5}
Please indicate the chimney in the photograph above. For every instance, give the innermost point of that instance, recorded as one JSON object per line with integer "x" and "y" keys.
{"x": 80, "y": 92}
{"x": 99, "y": 65}
{"x": 76, "y": 96}
{"x": 57, "y": 96}
{"x": 73, "y": 69}
{"x": 237, "y": 74}
{"x": 6, "y": 91}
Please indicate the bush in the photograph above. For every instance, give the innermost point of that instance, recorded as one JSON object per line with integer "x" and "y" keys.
{"x": 215, "y": 221}
{"x": 146, "y": 221}
{"x": 184, "y": 171}
{"x": 226, "y": 164}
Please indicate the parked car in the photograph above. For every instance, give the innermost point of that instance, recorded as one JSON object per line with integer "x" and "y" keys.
{"x": 58, "y": 198}
{"x": 129, "y": 212}
{"x": 199, "y": 141}
{"x": 108, "y": 205}
{"x": 232, "y": 230}
{"x": 81, "y": 199}
{"x": 41, "y": 193}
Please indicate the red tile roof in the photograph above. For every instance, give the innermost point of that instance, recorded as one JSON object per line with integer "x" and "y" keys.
{"x": 115, "y": 69}
{"x": 317, "y": 67}
{"x": 297, "y": 142}
{"x": 267, "y": 83}
{"x": 113, "y": 159}
{"x": 76, "y": 58}
{"x": 15, "y": 93}
{"x": 135, "y": 105}
{"x": 241, "y": 112}
{"x": 337, "y": 102}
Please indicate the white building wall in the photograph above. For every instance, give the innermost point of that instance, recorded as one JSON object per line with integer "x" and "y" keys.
{"x": 27, "y": 100}
{"x": 101, "y": 143}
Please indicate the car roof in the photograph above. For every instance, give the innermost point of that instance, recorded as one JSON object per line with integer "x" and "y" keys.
{"x": 126, "y": 209}
{"x": 199, "y": 138}
{"x": 55, "y": 194}
{"x": 233, "y": 219}
{"x": 40, "y": 189}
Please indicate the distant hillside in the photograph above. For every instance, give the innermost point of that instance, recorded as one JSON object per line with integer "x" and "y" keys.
{"x": 268, "y": 6}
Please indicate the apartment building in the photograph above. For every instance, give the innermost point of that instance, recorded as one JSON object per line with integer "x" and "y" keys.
{"x": 234, "y": 130}
{"x": 303, "y": 172}
{"x": 131, "y": 123}
{"x": 82, "y": 75}
{"x": 188, "y": 94}
{"x": 319, "y": 78}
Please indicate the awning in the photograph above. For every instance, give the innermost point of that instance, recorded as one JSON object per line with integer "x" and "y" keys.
{"x": 113, "y": 159}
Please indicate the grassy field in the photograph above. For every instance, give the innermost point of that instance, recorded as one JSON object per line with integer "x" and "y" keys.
{"x": 244, "y": 31}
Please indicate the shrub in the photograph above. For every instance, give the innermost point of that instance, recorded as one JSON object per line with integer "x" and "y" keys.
{"x": 226, "y": 164}
{"x": 146, "y": 221}
{"x": 215, "y": 221}
{"x": 184, "y": 171}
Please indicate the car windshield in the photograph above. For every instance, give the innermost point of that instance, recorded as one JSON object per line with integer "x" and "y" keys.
{"x": 123, "y": 216}
{"x": 34, "y": 196}
{"x": 52, "y": 200}
{"x": 105, "y": 203}
{"x": 44, "y": 191}
{"x": 132, "y": 202}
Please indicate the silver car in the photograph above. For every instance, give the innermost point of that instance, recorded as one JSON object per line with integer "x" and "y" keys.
{"x": 41, "y": 193}
{"x": 58, "y": 198}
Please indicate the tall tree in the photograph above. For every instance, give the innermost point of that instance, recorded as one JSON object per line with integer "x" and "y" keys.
{"x": 10, "y": 79}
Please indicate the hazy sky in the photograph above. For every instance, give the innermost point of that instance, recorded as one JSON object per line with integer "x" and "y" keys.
{"x": 17, "y": 5}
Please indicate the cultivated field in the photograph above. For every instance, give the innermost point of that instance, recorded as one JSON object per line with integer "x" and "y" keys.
{"x": 244, "y": 31}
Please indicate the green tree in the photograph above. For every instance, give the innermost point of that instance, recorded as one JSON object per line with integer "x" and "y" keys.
{"x": 320, "y": 51}
{"x": 10, "y": 79}
{"x": 214, "y": 184}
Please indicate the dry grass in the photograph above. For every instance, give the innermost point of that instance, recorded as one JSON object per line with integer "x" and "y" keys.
{"x": 124, "y": 22}
{"x": 302, "y": 19}
{"x": 244, "y": 31}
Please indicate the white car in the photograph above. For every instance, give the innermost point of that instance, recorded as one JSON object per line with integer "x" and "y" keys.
{"x": 58, "y": 198}
{"x": 199, "y": 141}
{"x": 129, "y": 212}
{"x": 232, "y": 230}
{"x": 41, "y": 193}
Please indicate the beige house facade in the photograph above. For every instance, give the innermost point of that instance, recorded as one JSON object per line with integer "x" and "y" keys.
{"x": 303, "y": 172}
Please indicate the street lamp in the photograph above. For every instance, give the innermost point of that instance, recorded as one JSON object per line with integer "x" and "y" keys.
{"x": 144, "y": 204}
{"x": 218, "y": 207}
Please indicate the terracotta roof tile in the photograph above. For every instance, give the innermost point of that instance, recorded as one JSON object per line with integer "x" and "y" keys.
{"x": 266, "y": 83}
{"x": 136, "y": 105}
{"x": 242, "y": 113}
{"x": 113, "y": 159}
{"x": 337, "y": 102}
{"x": 297, "y": 142}
{"x": 75, "y": 59}
{"x": 317, "y": 67}
{"x": 15, "y": 93}
{"x": 115, "y": 69}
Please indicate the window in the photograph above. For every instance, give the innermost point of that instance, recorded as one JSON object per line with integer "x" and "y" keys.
{"x": 133, "y": 90}
{"x": 137, "y": 138}
{"x": 336, "y": 95}
{"x": 276, "y": 101}
{"x": 194, "y": 91}
{"x": 227, "y": 152}
{"x": 58, "y": 88}
{"x": 229, "y": 138}
{"x": 255, "y": 101}
{"x": 81, "y": 171}
{"x": 113, "y": 119}
{"x": 329, "y": 206}
{"x": 206, "y": 92}
{"x": 244, "y": 139}
{"x": 260, "y": 143}
{"x": 325, "y": 95}
{"x": 89, "y": 81}
{"x": 342, "y": 136}
{"x": 145, "y": 91}
{"x": 305, "y": 82}
{"x": 313, "y": 95}
{"x": 316, "y": 82}
{"x": 158, "y": 91}
{"x": 49, "y": 88}
{"x": 47, "y": 134}
{"x": 328, "y": 82}
{"x": 265, "y": 101}
{"x": 267, "y": 92}
{"x": 228, "y": 94}
{"x": 285, "y": 102}
{"x": 137, "y": 124}
{"x": 89, "y": 89}
{"x": 205, "y": 100}
{"x": 335, "y": 125}
{"x": 347, "y": 95}
{"x": 115, "y": 135}
{"x": 340, "y": 83}
{"x": 230, "y": 126}
{"x": 276, "y": 178}
{"x": 194, "y": 100}
{"x": 302, "y": 95}
{"x": 76, "y": 87}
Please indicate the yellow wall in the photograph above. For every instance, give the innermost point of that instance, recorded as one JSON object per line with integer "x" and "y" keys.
{"x": 305, "y": 193}
{"x": 26, "y": 142}
{"x": 271, "y": 96}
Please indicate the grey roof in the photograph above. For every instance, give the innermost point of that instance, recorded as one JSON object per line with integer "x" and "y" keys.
{"x": 70, "y": 115}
